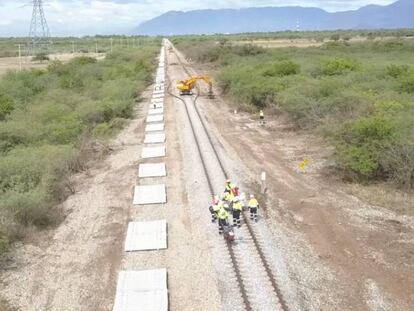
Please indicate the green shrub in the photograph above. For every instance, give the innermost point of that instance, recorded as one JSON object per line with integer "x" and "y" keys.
{"x": 397, "y": 71}
{"x": 362, "y": 143}
{"x": 4, "y": 243}
{"x": 406, "y": 83}
{"x": 360, "y": 160}
{"x": 29, "y": 208}
{"x": 247, "y": 50}
{"x": 83, "y": 60}
{"x": 339, "y": 66}
{"x": 335, "y": 37}
{"x": 42, "y": 56}
{"x": 284, "y": 68}
{"x": 48, "y": 132}
{"x": 6, "y": 106}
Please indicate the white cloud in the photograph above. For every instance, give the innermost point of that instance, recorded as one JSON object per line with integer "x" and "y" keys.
{"x": 79, "y": 17}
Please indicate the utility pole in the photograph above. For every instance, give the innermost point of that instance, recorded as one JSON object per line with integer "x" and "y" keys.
{"x": 20, "y": 56}
{"x": 73, "y": 47}
{"x": 297, "y": 25}
{"x": 111, "y": 45}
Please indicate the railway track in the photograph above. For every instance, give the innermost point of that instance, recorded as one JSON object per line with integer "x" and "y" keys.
{"x": 257, "y": 283}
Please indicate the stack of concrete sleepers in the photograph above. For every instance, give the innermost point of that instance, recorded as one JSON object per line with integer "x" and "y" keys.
{"x": 147, "y": 289}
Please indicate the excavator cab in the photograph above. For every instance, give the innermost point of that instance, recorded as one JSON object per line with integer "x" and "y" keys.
{"x": 186, "y": 86}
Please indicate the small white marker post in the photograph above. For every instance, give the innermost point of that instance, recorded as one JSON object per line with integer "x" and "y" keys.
{"x": 20, "y": 57}
{"x": 263, "y": 182}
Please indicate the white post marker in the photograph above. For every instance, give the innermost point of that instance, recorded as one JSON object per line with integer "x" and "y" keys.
{"x": 263, "y": 182}
{"x": 20, "y": 57}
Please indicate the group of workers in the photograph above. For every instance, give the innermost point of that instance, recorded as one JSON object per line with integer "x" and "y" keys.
{"x": 231, "y": 203}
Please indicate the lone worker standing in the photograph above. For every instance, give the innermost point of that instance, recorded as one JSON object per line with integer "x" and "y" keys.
{"x": 237, "y": 208}
{"x": 261, "y": 117}
{"x": 253, "y": 207}
{"x": 223, "y": 218}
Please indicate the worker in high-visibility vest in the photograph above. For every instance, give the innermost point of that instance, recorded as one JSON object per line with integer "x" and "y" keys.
{"x": 228, "y": 186}
{"x": 237, "y": 209}
{"x": 231, "y": 188}
{"x": 253, "y": 207}
{"x": 228, "y": 197}
{"x": 215, "y": 207}
{"x": 223, "y": 218}
{"x": 261, "y": 117}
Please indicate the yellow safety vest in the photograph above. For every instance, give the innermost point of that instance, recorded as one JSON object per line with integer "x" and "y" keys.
{"x": 218, "y": 206}
{"x": 253, "y": 203}
{"x": 229, "y": 197}
{"x": 222, "y": 214}
{"x": 230, "y": 186}
{"x": 237, "y": 206}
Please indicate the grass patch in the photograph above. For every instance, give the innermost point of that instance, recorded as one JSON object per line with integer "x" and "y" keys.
{"x": 50, "y": 121}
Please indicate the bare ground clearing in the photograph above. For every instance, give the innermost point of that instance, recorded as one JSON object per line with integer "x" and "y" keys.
{"x": 343, "y": 253}
{"x": 303, "y": 43}
{"x": 13, "y": 63}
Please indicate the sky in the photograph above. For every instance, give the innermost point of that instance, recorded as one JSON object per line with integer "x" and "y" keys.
{"x": 83, "y": 17}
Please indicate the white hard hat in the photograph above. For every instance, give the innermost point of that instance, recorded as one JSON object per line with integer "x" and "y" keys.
{"x": 225, "y": 205}
{"x": 236, "y": 199}
{"x": 252, "y": 196}
{"x": 228, "y": 180}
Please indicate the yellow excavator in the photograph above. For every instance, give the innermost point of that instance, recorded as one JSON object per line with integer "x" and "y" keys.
{"x": 188, "y": 85}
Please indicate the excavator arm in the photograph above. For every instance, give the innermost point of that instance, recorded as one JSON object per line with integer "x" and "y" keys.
{"x": 188, "y": 85}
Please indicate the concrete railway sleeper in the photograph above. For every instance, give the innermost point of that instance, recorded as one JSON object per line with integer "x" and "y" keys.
{"x": 251, "y": 243}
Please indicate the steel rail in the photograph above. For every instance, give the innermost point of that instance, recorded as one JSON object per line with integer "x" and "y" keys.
{"x": 248, "y": 223}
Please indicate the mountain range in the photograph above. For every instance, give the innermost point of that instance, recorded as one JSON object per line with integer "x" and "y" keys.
{"x": 399, "y": 14}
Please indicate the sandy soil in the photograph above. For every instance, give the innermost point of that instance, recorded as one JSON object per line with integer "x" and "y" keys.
{"x": 342, "y": 252}
{"x": 13, "y": 63}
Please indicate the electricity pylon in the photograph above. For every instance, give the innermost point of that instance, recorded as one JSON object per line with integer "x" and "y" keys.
{"x": 39, "y": 35}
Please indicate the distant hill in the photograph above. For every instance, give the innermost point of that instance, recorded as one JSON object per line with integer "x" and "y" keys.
{"x": 400, "y": 14}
